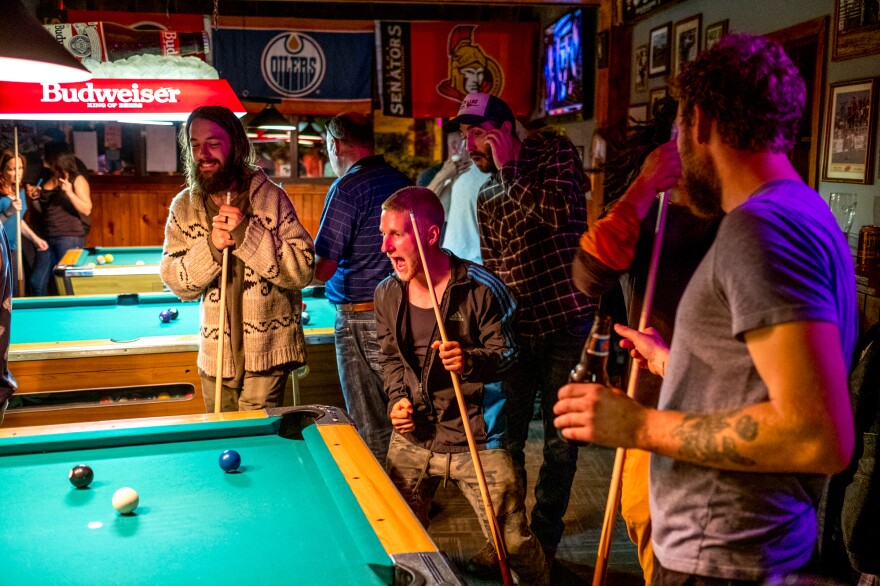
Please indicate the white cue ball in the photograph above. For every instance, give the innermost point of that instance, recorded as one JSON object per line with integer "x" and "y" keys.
{"x": 125, "y": 500}
{"x": 139, "y": 263}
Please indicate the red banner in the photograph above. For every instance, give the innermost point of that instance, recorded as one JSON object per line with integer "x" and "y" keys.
{"x": 127, "y": 100}
{"x": 433, "y": 65}
{"x": 138, "y": 20}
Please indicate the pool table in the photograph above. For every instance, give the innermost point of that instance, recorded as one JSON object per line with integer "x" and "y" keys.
{"x": 62, "y": 344}
{"x": 78, "y": 272}
{"x": 309, "y": 505}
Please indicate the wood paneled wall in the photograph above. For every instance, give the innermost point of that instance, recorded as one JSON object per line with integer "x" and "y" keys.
{"x": 133, "y": 212}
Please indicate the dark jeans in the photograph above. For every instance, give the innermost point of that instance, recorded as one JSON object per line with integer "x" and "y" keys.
{"x": 357, "y": 356}
{"x": 543, "y": 367}
{"x": 47, "y": 259}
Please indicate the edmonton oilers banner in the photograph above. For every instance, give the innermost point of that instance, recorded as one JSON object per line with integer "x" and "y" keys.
{"x": 316, "y": 67}
{"x": 426, "y": 68}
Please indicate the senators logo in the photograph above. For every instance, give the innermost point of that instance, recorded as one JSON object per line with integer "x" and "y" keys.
{"x": 471, "y": 70}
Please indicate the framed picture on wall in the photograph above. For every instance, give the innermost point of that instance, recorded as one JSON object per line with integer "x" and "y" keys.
{"x": 686, "y": 41}
{"x": 658, "y": 50}
{"x": 602, "y": 50}
{"x": 714, "y": 32}
{"x": 655, "y": 96}
{"x": 856, "y": 29}
{"x": 641, "y": 69}
{"x": 636, "y": 113}
{"x": 849, "y": 132}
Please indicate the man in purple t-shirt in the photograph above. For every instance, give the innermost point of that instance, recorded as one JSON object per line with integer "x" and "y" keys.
{"x": 754, "y": 404}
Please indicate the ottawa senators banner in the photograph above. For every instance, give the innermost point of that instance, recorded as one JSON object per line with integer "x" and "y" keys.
{"x": 426, "y": 68}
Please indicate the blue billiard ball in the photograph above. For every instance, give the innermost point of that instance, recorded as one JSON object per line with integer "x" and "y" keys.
{"x": 230, "y": 460}
{"x": 173, "y": 312}
{"x": 165, "y": 316}
{"x": 305, "y": 318}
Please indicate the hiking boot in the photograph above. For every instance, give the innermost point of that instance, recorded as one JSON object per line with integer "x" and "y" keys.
{"x": 484, "y": 563}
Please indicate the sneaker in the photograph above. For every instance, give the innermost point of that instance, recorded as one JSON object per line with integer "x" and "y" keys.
{"x": 484, "y": 563}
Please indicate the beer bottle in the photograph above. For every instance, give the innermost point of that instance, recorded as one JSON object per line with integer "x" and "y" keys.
{"x": 108, "y": 41}
{"x": 593, "y": 366}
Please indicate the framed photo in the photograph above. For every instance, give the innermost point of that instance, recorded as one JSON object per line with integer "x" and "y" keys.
{"x": 686, "y": 41}
{"x": 714, "y": 32}
{"x": 849, "y": 132}
{"x": 655, "y": 96}
{"x": 641, "y": 84}
{"x": 636, "y": 113}
{"x": 602, "y": 50}
{"x": 658, "y": 50}
{"x": 856, "y": 30}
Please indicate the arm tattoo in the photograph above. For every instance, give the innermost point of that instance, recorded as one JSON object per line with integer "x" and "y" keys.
{"x": 703, "y": 439}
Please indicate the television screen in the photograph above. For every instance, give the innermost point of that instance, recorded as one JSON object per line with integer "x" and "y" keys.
{"x": 563, "y": 65}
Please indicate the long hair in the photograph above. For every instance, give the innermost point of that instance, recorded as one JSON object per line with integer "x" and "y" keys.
{"x": 242, "y": 160}
{"x": 7, "y": 155}
{"x": 60, "y": 160}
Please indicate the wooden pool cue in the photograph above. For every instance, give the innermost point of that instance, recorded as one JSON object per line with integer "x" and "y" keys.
{"x": 218, "y": 384}
{"x": 19, "y": 266}
{"x": 500, "y": 548}
{"x": 611, "y": 505}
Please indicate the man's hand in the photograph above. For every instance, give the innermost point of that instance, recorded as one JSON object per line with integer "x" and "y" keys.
{"x": 595, "y": 413}
{"x": 661, "y": 171}
{"x": 451, "y": 355}
{"x": 401, "y": 416}
{"x": 503, "y": 145}
{"x": 223, "y": 224}
{"x": 647, "y": 348}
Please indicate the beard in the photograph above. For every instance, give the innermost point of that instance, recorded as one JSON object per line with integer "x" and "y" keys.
{"x": 214, "y": 182}
{"x": 700, "y": 183}
{"x": 483, "y": 159}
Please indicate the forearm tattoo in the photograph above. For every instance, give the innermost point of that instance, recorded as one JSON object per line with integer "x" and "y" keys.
{"x": 704, "y": 439}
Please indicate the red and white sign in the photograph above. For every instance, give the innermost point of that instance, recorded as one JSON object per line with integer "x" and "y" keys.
{"x": 127, "y": 100}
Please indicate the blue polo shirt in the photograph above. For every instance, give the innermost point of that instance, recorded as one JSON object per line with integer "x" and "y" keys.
{"x": 349, "y": 231}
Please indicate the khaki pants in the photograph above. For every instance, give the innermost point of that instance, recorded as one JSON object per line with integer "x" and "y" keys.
{"x": 634, "y": 507}
{"x": 258, "y": 391}
{"x": 417, "y": 473}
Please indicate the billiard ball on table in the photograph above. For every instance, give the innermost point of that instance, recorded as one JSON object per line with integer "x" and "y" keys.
{"x": 81, "y": 476}
{"x": 108, "y": 258}
{"x": 165, "y": 316}
{"x": 139, "y": 263}
{"x": 174, "y": 313}
{"x": 230, "y": 460}
{"x": 101, "y": 259}
{"x": 306, "y": 318}
{"x": 125, "y": 500}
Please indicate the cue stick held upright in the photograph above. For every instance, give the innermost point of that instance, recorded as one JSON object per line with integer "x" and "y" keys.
{"x": 19, "y": 267}
{"x": 500, "y": 548}
{"x": 611, "y": 505}
{"x": 218, "y": 384}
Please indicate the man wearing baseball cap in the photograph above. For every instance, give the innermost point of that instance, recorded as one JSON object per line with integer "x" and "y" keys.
{"x": 532, "y": 212}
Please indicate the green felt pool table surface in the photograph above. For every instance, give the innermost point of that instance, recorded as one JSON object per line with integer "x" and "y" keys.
{"x": 122, "y": 256}
{"x": 289, "y": 516}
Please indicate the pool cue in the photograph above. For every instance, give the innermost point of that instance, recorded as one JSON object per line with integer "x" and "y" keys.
{"x": 611, "y": 505}
{"x": 19, "y": 267}
{"x": 500, "y": 548}
{"x": 218, "y": 384}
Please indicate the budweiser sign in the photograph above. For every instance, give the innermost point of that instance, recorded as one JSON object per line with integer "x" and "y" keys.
{"x": 114, "y": 99}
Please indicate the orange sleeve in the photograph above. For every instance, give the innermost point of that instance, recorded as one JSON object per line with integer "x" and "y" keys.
{"x": 612, "y": 240}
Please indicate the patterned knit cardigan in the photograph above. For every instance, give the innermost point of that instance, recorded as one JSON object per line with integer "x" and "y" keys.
{"x": 279, "y": 258}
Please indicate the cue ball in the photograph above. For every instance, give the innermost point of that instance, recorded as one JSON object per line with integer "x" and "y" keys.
{"x": 174, "y": 313}
{"x": 125, "y": 500}
{"x": 81, "y": 476}
{"x": 230, "y": 460}
{"x": 165, "y": 316}
{"x": 139, "y": 262}
{"x": 108, "y": 257}
{"x": 101, "y": 260}
{"x": 305, "y": 317}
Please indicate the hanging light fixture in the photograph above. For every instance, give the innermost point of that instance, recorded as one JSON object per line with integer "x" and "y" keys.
{"x": 310, "y": 133}
{"x": 29, "y": 53}
{"x": 271, "y": 119}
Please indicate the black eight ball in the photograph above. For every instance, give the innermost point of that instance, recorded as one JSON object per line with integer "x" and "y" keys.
{"x": 81, "y": 476}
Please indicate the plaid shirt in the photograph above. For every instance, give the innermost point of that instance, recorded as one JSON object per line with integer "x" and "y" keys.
{"x": 532, "y": 213}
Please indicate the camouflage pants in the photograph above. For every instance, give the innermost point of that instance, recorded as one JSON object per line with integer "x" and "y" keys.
{"x": 417, "y": 473}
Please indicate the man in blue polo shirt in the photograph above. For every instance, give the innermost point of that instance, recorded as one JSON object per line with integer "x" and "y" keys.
{"x": 351, "y": 262}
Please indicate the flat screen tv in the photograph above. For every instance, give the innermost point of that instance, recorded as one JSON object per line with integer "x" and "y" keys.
{"x": 567, "y": 44}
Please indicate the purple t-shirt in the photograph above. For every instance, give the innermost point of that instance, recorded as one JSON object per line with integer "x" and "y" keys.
{"x": 779, "y": 257}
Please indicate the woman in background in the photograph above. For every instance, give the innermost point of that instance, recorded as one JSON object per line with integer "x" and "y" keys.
{"x": 62, "y": 203}
{"x": 13, "y": 206}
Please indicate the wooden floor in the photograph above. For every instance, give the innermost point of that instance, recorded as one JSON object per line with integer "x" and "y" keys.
{"x": 456, "y": 531}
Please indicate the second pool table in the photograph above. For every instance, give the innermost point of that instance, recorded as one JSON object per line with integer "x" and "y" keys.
{"x": 78, "y": 272}
{"x": 115, "y": 342}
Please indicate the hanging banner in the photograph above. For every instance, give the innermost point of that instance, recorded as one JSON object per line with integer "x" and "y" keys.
{"x": 426, "y": 68}
{"x": 138, "y": 20}
{"x": 313, "y": 66}
{"x": 127, "y": 100}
